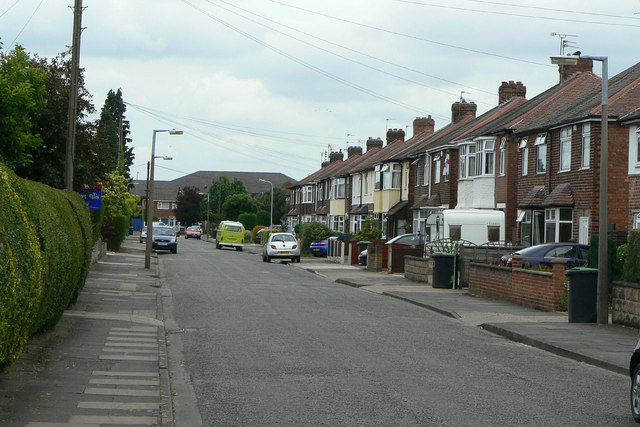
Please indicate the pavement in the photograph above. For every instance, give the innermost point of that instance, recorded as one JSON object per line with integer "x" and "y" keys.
{"x": 106, "y": 361}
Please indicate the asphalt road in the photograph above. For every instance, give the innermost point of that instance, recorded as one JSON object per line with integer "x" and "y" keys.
{"x": 271, "y": 344}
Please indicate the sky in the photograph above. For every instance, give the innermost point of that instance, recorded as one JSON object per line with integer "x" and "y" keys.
{"x": 274, "y": 85}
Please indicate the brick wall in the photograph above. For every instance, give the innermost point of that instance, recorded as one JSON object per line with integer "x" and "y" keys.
{"x": 538, "y": 289}
{"x": 634, "y": 198}
{"x": 625, "y": 304}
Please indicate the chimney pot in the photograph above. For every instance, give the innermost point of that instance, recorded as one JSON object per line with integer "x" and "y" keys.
{"x": 336, "y": 156}
{"x": 374, "y": 143}
{"x": 506, "y": 91}
{"x": 353, "y": 151}
{"x": 423, "y": 124}
{"x": 394, "y": 135}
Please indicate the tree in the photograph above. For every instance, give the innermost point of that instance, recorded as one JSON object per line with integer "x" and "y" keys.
{"x": 22, "y": 94}
{"x": 280, "y": 204}
{"x": 238, "y": 204}
{"x": 188, "y": 204}
{"x": 108, "y": 133}
{"x": 220, "y": 190}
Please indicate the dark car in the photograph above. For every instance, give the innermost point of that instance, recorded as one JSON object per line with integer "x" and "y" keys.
{"x": 407, "y": 240}
{"x": 634, "y": 372}
{"x": 164, "y": 238}
{"x": 319, "y": 247}
{"x": 543, "y": 254}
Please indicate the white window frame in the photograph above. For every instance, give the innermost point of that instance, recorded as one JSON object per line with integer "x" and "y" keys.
{"x": 338, "y": 186}
{"x": 163, "y": 205}
{"x": 552, "y": 216}
{"x": 427, "y": 170}
{"x": 525, "y": 156}
{"x": 541, "y": 153}
{"x": 636, "y": 221}
{"x": 638, "y": 147}
{"x": 565, "y": 149}
{"x": 485, "y": 157}
{"x": 356, "y": 187}
{"x": 585, "y": 154}
{"x": 503, "y": 155}
{"x": 337, "y": 223}
{"x": 395, "y": 170}
{"x": 436, "y": 169}
{"x": 307, "y": 194}
{"x": 319, "y": 190}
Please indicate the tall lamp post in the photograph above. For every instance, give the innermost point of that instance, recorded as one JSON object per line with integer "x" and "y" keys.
{"x": 271, "y": 218}
{"x": 207, "y": 227}
{"x": 147, "y": 253}
{"x": 603, "y": 221}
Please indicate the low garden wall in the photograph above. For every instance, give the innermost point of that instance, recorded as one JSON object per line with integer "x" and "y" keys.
{"x": 418, "y": 269}
{"x": 543, "y": 290}
{"x": 625, "y": 304}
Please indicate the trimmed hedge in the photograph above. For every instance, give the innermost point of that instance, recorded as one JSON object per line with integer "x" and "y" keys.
{"x": 45, "y": 251}
{"x": 120, "y": 223}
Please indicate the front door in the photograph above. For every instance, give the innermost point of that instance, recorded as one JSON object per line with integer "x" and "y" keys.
{"x": 538, "y": 227}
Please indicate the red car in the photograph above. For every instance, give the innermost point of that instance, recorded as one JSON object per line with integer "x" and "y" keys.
{"x": 193, "y": 232}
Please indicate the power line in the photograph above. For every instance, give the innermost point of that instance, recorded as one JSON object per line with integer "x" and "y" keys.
{"x": 493, "y": 12}
{"x": 237, "y": 128}
{"x": 9, "y": 8}
{"x": 314, "y": 68}
{"x": 577, "y": 12}
{"x": 410, "y": 36}
{"x": 26, "y": 23}
{"x": 346, "y": 48}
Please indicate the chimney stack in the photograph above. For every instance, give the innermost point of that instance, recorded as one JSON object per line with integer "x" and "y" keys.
{"x": 506, "y": 91}
{"x": 354, "y": 151}
{"x": 336, "y": 156}
{"x": 462, "y": 109}
{"x": 374, "y": 143}
{"x": 423, "y": 124}
{"x": 583, "y": 65}
{"x": 324, "y": 164}
{"x": 394, "y": 135}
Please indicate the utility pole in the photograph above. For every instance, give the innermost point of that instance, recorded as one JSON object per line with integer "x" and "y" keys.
{"x": 73, "y": 95}
{"x": 146, "y": 205}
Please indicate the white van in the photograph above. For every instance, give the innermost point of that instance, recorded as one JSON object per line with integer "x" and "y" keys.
{"x": 475, "y": 225}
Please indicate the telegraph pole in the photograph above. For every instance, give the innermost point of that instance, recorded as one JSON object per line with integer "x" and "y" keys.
{"x": 73, "y": 95}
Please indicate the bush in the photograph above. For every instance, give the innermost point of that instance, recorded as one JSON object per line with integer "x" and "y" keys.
{"x": 45, "y": 250}
{"x": 614, "y": 269}
{"x": 120, "y": 224}
{"x": 263, "y": 217}
{"x": 255, "y": 230}
{"x": 247, "y": 236}
{"x": 632, "y": 264}
{"x": 312, "y": 231}
{"x": 249, "y": 220}
{"x": 369, "y": 231}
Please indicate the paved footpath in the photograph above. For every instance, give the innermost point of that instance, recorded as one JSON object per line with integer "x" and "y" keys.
{"x": 104, "y": 362}
{"x": 605, "y": 346}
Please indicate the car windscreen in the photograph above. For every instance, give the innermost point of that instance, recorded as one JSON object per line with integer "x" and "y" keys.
{"x": 233, "y": 229}
{"x": 193, "y": 229}
{"x": 163, "y": 231}
{"x": 283, "y": 238}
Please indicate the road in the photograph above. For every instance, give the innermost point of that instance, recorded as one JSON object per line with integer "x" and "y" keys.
{"x": 272, "y": 344}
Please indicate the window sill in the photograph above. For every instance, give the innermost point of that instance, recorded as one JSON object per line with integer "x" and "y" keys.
{"x": 564, "y": 171}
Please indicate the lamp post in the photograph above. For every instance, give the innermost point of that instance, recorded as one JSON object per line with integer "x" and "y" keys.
{"x": 603, "y": 221}
{"x": 271, "y": 218}
{"x": 207, "y": 227}
{"x": 147, "y": 253}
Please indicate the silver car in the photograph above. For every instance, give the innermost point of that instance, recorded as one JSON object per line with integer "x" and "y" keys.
{"x": 281, "y": 246}
{"x": 143, "y": 234}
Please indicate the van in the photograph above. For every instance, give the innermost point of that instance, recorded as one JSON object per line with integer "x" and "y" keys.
{"x": 231, "y": 234}
{"x": 475, "y": 225}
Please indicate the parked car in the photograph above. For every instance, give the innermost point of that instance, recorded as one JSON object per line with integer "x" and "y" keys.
{"x": 193, "y": 232}
{"x": 575, "y": 253}
{"x": 165, "y": 239}
{"x": 407, "y": 240}
{"x": 260, "y": 232}
{"x": 230, "y": 234}
{"x": 281, "y": 246}
{"x": 143, "y": 234}
{"x": 319, "y": 247}
{"x": 634, "y": 372}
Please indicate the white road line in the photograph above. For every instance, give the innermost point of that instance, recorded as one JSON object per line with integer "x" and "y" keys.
{"x": 113, "y": 419}
{"x": 116, "y": 381}
{"x": 123, "y": 339}
{"x": 136, "y": 329}
{"x": 130, "y": 350}
{"x": 122, "y": 406}
{"x": 124, "y": 374}
{"x": 130, "y": 345}
{"x": 121, "y": 392}
{"x": 127, "y": 357}
{"x": 133, "y": 334}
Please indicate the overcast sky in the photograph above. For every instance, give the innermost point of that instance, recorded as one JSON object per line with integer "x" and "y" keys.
{"x": 266, "y": 85}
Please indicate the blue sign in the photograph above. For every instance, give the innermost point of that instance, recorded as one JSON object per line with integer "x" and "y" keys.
{"x": 92, "y": 197}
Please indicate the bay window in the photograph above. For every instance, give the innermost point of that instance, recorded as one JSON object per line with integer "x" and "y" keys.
{"x": 338, "y": 188}
{"x": 307, "y": 194}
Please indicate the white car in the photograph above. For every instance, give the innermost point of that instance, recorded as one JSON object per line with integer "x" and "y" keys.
{"x": 281, "y": 246}
{"x": 143, "y": 234}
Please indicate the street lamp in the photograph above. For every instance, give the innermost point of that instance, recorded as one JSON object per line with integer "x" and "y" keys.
{"x": 207, "y": 227}
{"x": 603, "y": 222}
{"x": 271, "y": 219}
{"x": 147, "y": 253}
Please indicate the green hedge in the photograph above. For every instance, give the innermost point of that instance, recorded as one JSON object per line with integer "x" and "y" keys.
{"x": 120, "y": 223}
{"x": 45, "y": 251}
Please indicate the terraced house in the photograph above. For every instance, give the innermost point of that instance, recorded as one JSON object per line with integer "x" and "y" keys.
{"x": 534, "y": 161}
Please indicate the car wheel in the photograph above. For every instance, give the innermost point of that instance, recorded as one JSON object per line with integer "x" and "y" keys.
{"x": 268, "y": 258}
{"x": 264, "y": 258}
{"x": 296, "y": 259}
{"x": 174, "y": 251}
{"x": 635, "y": 393}
{"x": 238, "y": 249}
